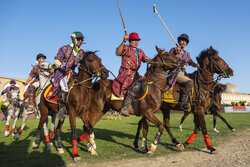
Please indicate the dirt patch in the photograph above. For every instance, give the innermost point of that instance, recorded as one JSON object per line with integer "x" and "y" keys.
{"x": 233, "y": 153}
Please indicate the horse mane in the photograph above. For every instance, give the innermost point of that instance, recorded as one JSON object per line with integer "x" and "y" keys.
{"x": 87, "y": 54}
{"x": 206, "y": 53}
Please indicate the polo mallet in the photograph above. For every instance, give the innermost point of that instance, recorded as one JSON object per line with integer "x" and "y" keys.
{"x": 155, "y": 11}
{"x": 121, "y": 17}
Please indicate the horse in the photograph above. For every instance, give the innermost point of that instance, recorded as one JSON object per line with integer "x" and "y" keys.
{"x": 90, "y": 68}
{"x": 215, "y": 108}
{"x": 44, "y": 71}
{"x": 210, "y": 63}
{"x": 155, "y": 78}
{"x": 13, "y": 112}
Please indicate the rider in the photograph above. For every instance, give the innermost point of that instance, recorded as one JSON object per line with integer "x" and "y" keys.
{"x": 66, "y": 60}
{"x": 187, "y": 83}
{"x": 131, "y": 62}
{"x": 34, "y": 74}
{"x": 7, "y": 91}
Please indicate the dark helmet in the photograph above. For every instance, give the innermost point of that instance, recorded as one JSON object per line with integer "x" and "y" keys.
{"x": 12, "y": 82}
{"x": 40, "y": 55}
{"x": 77, "y": 34}
{"x": 183, "y": 37}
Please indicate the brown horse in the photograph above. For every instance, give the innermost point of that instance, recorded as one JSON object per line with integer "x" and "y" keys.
{"x": 210, "y": 63}
{"x": 90, "y": 67}
{"x": 155, "y": 76}
{"x": 215, "y": 108}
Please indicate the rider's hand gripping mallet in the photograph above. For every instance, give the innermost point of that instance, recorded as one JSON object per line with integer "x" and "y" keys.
{"x": 155, "y": 11}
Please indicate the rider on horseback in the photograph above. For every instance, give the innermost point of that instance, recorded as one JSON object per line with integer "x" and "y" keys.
{"x": 34, "y": 74}
{"x": 66, "y": 60}
{"x": 187, "y": 83}
{"x": 131, "y": 62}
{"x": 7, "y": 91}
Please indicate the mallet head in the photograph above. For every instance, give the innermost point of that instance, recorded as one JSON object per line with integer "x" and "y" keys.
{"x": 154, "y": 8}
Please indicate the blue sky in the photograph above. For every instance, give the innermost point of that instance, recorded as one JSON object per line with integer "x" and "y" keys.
{"x": 31, "y": 27}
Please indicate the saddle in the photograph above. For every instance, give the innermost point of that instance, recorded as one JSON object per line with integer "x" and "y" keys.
{"x": 141, "y": 94}
{"x": 48, "y": 92}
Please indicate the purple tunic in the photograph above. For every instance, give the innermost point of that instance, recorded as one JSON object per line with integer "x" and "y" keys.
{"x": 66, "y": 56}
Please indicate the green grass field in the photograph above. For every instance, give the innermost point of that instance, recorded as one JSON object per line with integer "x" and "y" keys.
{"x": 114, "y": 140}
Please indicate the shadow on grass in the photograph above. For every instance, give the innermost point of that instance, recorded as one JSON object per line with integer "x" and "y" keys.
{"x": 17, "y": 154}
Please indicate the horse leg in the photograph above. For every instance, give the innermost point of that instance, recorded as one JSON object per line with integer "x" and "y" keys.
{"x": 214, "y": 123}
{"x": 44, "y": 115}
{"x": 186, "y": 113}
{"x": 194, "y": 134}
{"x": 58, "y": 134}
{"x": 224, "y": 120}
{"x": 166, "y": 123}
{"x": 14, "y": 122}
{"x": 72, "y": 121}
{"x": 152, "y": 118}
{"x": 52, "y": 125}
{"x": 46, "y": 134}
{"x": 138, "y": 134}
{"x": 145, "y": 127}
{"x": 202, "y": 123}
{"x": 7, "y": 129}
{"x": 25, "y": 116}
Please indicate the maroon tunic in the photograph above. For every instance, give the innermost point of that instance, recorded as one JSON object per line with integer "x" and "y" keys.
{"x": 129, "y": 67}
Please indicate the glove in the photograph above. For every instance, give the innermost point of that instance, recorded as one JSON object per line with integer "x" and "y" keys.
{"x": 63, "y": 66}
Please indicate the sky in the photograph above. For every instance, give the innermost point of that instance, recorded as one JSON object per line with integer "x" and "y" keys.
{"x": 30, "y": 27}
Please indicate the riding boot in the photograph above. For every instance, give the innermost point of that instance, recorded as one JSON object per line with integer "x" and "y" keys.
{"x": 183, "y": 102}
{"x": 62, "y": 99}
{"x": 124, "y": 109}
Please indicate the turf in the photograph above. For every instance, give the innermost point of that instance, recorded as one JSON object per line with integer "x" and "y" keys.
{"x": 114, "y": 140}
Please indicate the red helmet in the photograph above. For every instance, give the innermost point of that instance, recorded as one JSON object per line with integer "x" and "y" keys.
{"x": 134, "y": 35}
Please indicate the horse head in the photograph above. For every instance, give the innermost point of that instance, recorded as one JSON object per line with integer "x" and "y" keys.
{"x": 166, "y": 60}
{"x": 14, "y": 98}
{"x": 45, "y": 68}
{"x": 92, "y": 65}
{"x": 209, "y": 60}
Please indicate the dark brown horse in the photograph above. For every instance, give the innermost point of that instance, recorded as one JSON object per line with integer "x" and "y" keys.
{"x": 210, "y": 63}
{"x": 215, "y": 108}
{"x": 90, "y": 67}
{"x": 155, "y": 77}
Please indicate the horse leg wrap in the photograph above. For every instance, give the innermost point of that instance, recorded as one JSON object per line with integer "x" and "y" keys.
{"x": 207, "y": 140}
{"x": 74, "y": 143}
{"x": 20, "y": 132}
{"x": 7, "y": 128}
{"x": 84, "y": 136}
{"x": 157, "y": 138}
{"x": 191, "y": 138}
{"x": 52, "y": 134}
{"x": 47, "y": 138}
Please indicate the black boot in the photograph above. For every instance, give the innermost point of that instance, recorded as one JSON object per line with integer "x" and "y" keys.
{"x": 62, "y": 99}
{"x": 124, "y": 109}
{"x": 183, "y": 102}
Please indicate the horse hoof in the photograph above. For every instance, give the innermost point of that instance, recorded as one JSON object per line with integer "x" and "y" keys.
{"x": 34, "y": 145}
{"x": 77, "y": 158}
{"x": 150, "y": 152}
{"x": 94, "y": 153}
{"x": 94, "y": 146}
{"x": 215, "y": 130}
{"x": 180, "y": 127}
{"x": 153, "y": 147}
{"x": 144, "y": 149}
{"x": 214, "y": 152}
{"x": 12, "y": 134}
{"x": 16, "y": 137}
{"x": 181, "y": 147}
{"x": 49, "y": 147}
{"x": 60, "y": 151}
{"x": 136, "y": 149}
{"x": 233, "y": 130}
{"x": 6, "y": 133}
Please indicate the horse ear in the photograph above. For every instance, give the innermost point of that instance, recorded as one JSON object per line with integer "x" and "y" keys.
{"x": 158, "y": 49}
{"x": 211, "y": 49}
